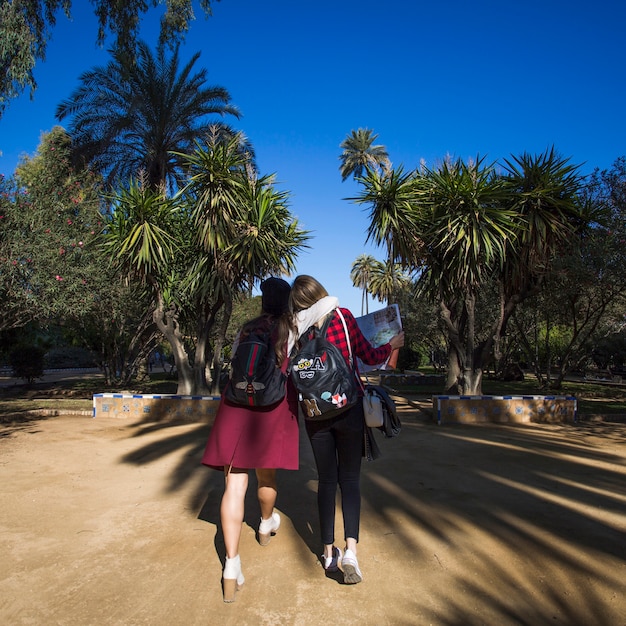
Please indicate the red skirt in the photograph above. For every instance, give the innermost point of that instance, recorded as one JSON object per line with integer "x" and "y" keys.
{"x": 255, "y": 438}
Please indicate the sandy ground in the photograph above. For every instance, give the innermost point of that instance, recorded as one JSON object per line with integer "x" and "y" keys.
{"x": 103, "y": 521}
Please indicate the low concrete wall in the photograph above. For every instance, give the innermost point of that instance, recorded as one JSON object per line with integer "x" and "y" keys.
{"x": 504, "y": 409}
{"x": 156, "y": 407}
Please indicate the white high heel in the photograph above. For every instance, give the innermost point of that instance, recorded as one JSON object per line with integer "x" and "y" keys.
{"x": 232, "y": 578}
{"x": 268, "y": 527}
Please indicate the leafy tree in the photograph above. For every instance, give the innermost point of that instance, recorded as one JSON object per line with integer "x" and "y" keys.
{"x": 26, "y": 25}
{"x": 360, "y": 153}
{"x": 52, "y": 271}
{"x": 15, "y": 261}
{"x": 50, "y": 221}
{"x": 131, "y": 118}
{"x": 585, "y": 293}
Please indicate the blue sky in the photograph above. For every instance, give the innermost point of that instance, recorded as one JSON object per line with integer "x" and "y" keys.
{"x": 466, "y": 79}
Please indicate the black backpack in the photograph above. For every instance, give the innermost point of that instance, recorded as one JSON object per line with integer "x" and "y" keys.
{"x": 255, "y": 379}
{"x": 326, "y": 384}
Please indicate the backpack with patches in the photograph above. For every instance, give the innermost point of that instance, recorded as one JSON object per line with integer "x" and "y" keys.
{"x": 255, "y": 379}
{"x": 326, "y": 384}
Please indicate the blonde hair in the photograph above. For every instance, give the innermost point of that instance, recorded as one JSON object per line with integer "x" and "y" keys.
{"x": 305, "y": 292}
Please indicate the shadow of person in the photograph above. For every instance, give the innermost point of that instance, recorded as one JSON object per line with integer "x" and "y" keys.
{"x": 297, "y": 496}
{"x": 297, "y": 501}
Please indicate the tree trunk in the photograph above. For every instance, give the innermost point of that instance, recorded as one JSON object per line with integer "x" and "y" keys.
{"x": 220, "y": 339}
{"x": 167, "y": 323}
{"x": 472, "y": 383}
{"x": 454, "y": 372}
{"x": 465, "y": 373}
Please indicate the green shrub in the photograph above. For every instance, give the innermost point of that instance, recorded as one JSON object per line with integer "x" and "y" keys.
{"x": 27, "y": 362}
{"x": 59, "y": 358}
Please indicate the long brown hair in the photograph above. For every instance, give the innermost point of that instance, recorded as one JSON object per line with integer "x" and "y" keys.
{"x": 282, "y": 324}
{"x": 305, "y": 292}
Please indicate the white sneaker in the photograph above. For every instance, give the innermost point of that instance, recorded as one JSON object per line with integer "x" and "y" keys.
{"x": 331, "y": 563}
{"x": 268, "y": 527}
{"x": 350, "y": 566}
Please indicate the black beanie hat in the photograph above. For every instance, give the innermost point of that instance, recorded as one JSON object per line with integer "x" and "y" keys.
{"x": 275, "y": 299}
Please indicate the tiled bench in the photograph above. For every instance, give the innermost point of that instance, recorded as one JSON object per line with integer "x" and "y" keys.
{"x": 504, "y": 409}
{"x": 156, "y": 407}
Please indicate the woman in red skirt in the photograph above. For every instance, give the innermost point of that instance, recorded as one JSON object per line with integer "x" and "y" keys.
{"x": 261, "y": 438}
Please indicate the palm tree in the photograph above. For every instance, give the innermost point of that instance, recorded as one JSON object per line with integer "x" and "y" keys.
{"x": 359, "y": 154}
{"x": 129, "y": 117}
{"x": 387, "y": 280}
{"x": 361, "y": 273}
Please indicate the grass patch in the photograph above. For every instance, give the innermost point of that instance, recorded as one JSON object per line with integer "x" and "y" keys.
{"x": 21, "y": 402}
{"x": 593, "y": 399}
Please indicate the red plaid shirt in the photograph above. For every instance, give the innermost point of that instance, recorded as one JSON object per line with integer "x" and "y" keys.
{"x": 361, "y": 347}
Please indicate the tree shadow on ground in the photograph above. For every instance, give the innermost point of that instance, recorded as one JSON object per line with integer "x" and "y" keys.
{"x": 556, "y": 491}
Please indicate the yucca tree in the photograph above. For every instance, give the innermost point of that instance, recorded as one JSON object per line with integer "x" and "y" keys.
{"x": 389, "y": 195}
{"x": 463, "y": 226}
{"x": 241, "y": 220}
{"x": 140, "y": 232}
{"x": 131, "y": 117}
{"x": 360, "y": 153}
{"x": 449, "y": 224}
{"x": 544, "y": 191}
{"x": 222, "y": 232}
{"x": 242, "y": 227}
{"x": 467, "y": 227}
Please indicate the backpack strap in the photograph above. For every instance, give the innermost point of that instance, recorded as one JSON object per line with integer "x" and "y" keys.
{"x": 324, "y": 330}
{"x": 345, "y": 329}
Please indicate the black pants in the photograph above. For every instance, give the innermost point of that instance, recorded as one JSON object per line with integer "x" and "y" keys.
{"x": 337, "y": 447}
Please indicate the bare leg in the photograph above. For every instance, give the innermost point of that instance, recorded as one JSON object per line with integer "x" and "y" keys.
{"x": 266, "y": 491}
{"x": 232, "y": 508}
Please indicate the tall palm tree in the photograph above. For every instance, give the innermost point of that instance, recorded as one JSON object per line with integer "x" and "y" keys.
{"x": 361, "y": 275}
{"x": 359, "y": 153}
{"x": 129, "y": 117}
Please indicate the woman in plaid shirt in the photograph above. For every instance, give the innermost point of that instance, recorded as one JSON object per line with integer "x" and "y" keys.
{"x": 338, "y": 442}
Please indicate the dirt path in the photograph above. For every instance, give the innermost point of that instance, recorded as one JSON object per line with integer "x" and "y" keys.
{"x": 104, "y": 522}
